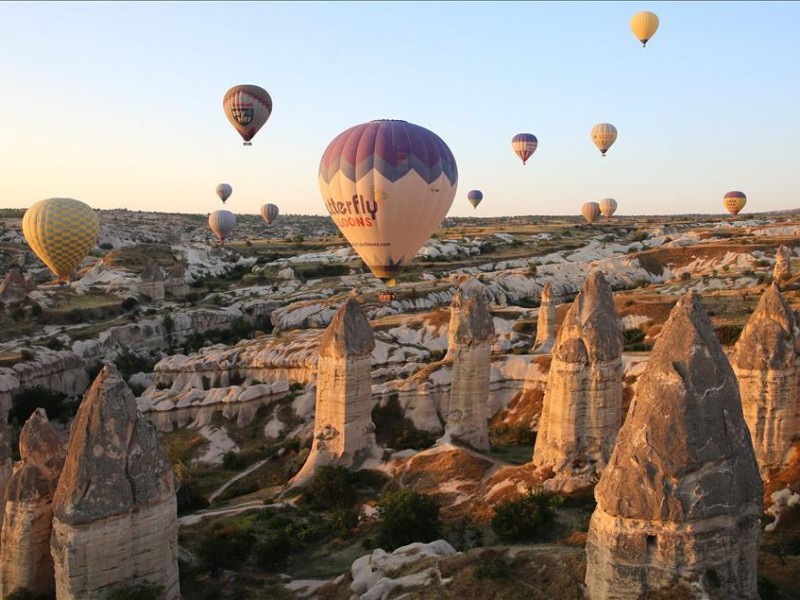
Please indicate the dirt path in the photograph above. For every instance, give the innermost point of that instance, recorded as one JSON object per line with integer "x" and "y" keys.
{"x": 234, "y": 479}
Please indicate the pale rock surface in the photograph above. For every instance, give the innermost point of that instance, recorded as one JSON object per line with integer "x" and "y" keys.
{"x": 343, "y": 430}
{"x": 783, "y": 264}
{"x": 175, "y": 285}
{"x": 62, "y": 371}
{"x": 14, "y": 288}
{"x": 582, "y": 409}
{"x": 546, "y": 322}
{"x": 6, "y": 464}
{"x": 765, "y": 361}
{"x": 781, "y": 500}
{"x": 470, "y": 349}
{"x": 114, "y": 511}
{"x": 25, "y": 558}
{"x": 679, "y": 503}
{"x": 152, "y": 281}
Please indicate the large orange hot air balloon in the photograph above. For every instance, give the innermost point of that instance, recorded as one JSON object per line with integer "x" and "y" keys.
{"x": 387, "y": 185}
{"x": 644, "y": 25}
{"x": 734, "y": 202}
{"x": 61, "y": 231}
{"x": 247, "y": 107}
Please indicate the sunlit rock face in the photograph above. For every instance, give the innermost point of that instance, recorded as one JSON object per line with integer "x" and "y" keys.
{"x": 25, "y": 544}
{"x": 582, "y": 409}
{"x": 343, "y": 430}
{"x": 152, "y": 281}
{"x": 470, "y": 347}
{"x": 783, "y": 266}
{"x": 546, "y": 322}
{"x": 765, "y": 361}
{"x": 114, "y": 511}
{"x": 679, "y": 503}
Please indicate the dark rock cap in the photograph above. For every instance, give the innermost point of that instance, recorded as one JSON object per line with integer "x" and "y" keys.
{"x": 348, "y": 334}
{"x": 684, "y": 452}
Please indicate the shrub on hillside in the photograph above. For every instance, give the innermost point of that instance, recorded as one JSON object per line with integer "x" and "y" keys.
{"x": 407, "y": 517}
{"x": 524, "y": 519}
{"x": 146, "y": 590}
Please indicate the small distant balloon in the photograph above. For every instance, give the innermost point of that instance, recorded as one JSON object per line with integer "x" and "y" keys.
{"x": 590, "y": 211}
{"x": 61, "y": 231}
{"x": 644, "y": 25}
{"x": 524, "y": 145}
{"x": 247, "y": 107}
{"x": 224, "y": 191}
{"x": 222, "y": 223}
{"x": 608, "y": 206}
{"x": 269, "y": 212}
{"x": 734, "y": 202}
{"x": 604, "y": 135}
{"x": 475, "y": 197}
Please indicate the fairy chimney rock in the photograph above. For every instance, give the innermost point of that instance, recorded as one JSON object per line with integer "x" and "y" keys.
{"x": 546, "y": 322}
{"x": 152, "y": 281}
{"x": 175, "y": 284}
{"x": 6, "y": 464}
{"x": 343, "y": 430}
{"x": 25, "y": 558}
{"x": 783, "y": 266}
{"x": 14, "y": 289}
{"x": 471, "y": 333}
{"x": 116, "y": 492}
{"x": 680, "y": 500}
{"x": 582, "y": 409}
{"x": 765, "y": 362}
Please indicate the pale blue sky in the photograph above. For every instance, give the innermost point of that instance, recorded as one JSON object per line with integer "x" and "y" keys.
{"x": 120, "y": 104}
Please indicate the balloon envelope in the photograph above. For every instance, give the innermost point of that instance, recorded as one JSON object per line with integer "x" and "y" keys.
{"x": 269, "y": 212}
{"x": 224, "y": 191}
{"x": 590, "y": 211}
{"x": 603, "y": 135}
{"x": 61, "y": 231}
{"x": 222, "y": 223}
{"x": 734, "y": 202}
{"x": 644, "y": 25}
{"x": 475, "y": 197}
{"x": 608, "y": 206}
{"x": 524, "y": 144}
{"x": 387, "y": 185}
{"x": 247, "y": 107}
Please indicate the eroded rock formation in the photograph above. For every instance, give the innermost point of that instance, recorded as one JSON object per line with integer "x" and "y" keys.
{"x": 25, "y": 557}
{"x": 546, "y": 322}
{"x": 114, "y": 511}
{"x": 470, "y": 348}
{"x": 175, "y": 285}
{"x": 783, "y": 265}
{"x": 582, "y": 409}
{"x": 152, "y": 281}
{"x": 765, "y": 361}
{"x": 14, "y": 288}
{"x": 679, "y": 503}
{"x": 343, "y": 430}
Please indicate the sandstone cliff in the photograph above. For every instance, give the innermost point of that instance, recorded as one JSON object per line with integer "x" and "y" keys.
{"x": 783, "y": 264}
{"x": 546, "y": 322}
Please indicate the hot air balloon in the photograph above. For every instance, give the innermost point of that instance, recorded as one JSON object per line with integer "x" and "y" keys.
{"x": 224, "y": 191}
{"x": 61, "y": 231}
{"x": 387, "y": 185}
{"x": 524, "y": 144}
{"x": 734, "y": 202}
{"x": 608, "y": 206}
{"x": 222, "y": 223}
{"x": 644, "y": 25}
{"x": 247, "y": 107}
{"x": 590, "y": 211}
{"x": 269, "y": 213}
{"x": 475, "y": 197}
{"x": 603, "y": 136}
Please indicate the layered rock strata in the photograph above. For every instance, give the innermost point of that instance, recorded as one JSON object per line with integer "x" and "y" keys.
{"x": 765, "y": 360}
{"x": 582, "y": 409}
{"x": 470, "y": 334}
{"x": 679, "y": 504}
{"x": 114, "y": 511}
{"x": 25, "y": 560}
{"x": 343, "y": 430}
{"x": 546, "y": 322}
{"x": 783, "y": 264}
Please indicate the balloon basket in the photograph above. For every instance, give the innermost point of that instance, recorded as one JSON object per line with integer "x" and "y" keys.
{"x": 247, "y": 144}
{"x": 386, "y": 296}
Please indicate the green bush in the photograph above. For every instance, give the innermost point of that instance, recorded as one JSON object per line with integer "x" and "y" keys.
{"x": 524, "y": 519}
{"x": 225, "y": 547}
{"x": 54, "y": 403}
{"x": 494, "y": 568}
{"x": 406, "y": 517}
{"x": 25, "y": 594}
{"x": 138, "y": 591}
{"x": 232, "y": 460}
{"x": 728, "y": 334}
{"x": 393, "y": 429}
{"x": 632, "y": 336}
{"x": 332, "y": 488}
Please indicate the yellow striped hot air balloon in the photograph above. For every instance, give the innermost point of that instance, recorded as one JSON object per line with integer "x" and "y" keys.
{"x": 734, "y": 202}
{"x": 61, "y": 231}
{"x": 604, "y": 135}
{"x": 644, "y": 25}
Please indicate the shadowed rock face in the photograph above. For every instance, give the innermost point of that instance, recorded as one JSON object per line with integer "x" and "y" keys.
{"x": 471, "y": 333}
{"x": 680, "y": 499}
{"x": 152, "y": 272}
{"x": 14, "y": 288}
{"x": 175, "y": 283}
{"x": 546, "y": 322}
{"x": 152, "y": 281}
{"x": 343, "y": 430}
{"x": 116, "y": 492}
{"x": 582, "y": 409}
{"x": 25, "y": 559}
{"x": 783, "y": 265}
{"x": 765, "y": 363}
